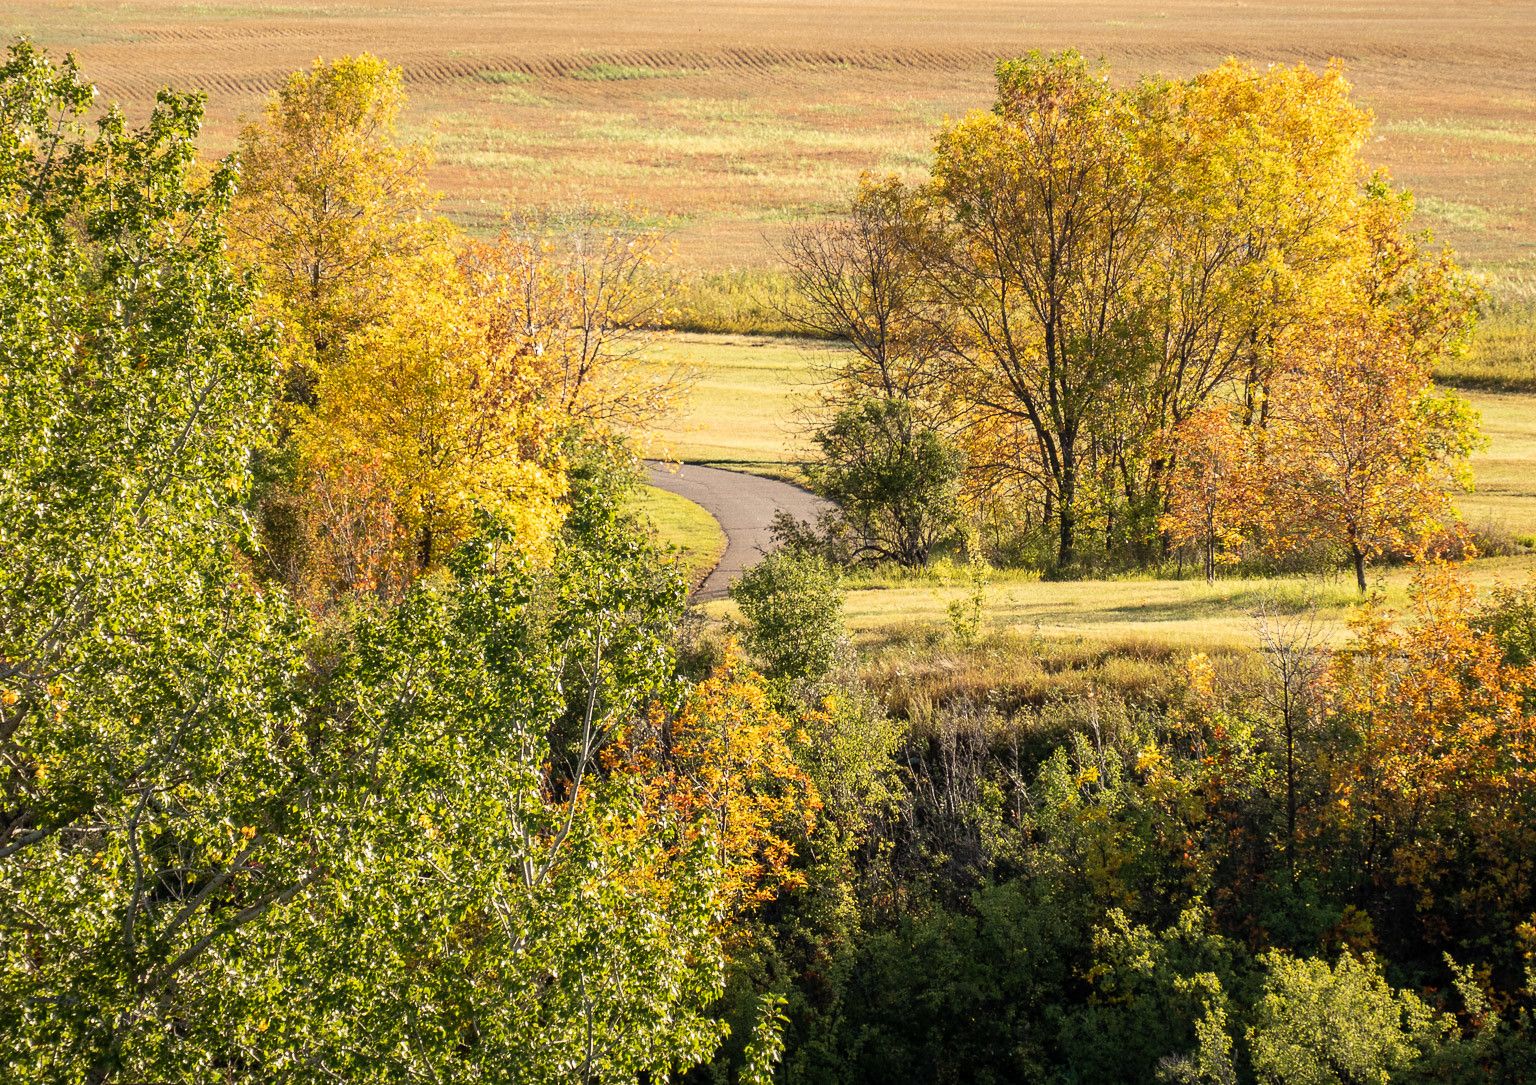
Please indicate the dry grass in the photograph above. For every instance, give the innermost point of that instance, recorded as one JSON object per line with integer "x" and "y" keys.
{"x": 735, "y": 119}
{"x": 741, "y": 408}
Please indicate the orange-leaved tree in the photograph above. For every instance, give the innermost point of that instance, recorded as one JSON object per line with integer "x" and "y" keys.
{"x": 724, "y": 764}
{"x": 1359, "y": 448}
{"x": 1435, "y": 770}
{"x": 1211, "y": 488}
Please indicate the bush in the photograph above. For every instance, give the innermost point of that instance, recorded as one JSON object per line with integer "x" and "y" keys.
{"x": 1321, "y": 1024}
{"x": 794, "y": 612}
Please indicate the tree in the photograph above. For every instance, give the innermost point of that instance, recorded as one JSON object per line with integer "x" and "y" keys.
{"x": 1045, "y": 204}
{"x": 1210, "y": 487}
{"x": 860, "y": 278}
{"x": 724, "y": 765}
{"x": 1257, "y": 179}
{"x": 1088, "y": 269}
{"x": 1432, "y": 773}
{"x": 331, "y": 199}
{"x": 137, "y": 670}
{"x": 581, "y": 307}
{"x": 1359, "y": 449}
{"x": 234, "y": 848}
{"x": 894, "y": 480}
{"x": 453, "y": 423}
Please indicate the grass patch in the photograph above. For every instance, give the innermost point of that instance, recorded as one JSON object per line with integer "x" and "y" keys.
{"x": 918, "y": 672}
{"x": 1189, "y": 614}
{"x": 504, "y": 77}
{"x": 1504, "y": 472}
{"x": 1502, "y": 357}
{"x": 738, "y": 302}
{"x": 682, "y": 524}
{"x": 1464, "y": 216}
{"x": 1483, "y": 133}
{"x": 602, "y": 72}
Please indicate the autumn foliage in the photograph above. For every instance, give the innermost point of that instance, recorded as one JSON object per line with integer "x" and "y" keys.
{"x": 724, "y": 764}
{"x": 1440, "y": 775}
{"x": 1173, "y": 313}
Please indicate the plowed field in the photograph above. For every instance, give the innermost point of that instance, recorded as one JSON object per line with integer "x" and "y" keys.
{"x": 733, "y": 118}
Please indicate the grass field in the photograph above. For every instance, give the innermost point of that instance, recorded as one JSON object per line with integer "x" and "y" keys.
{"x": 732, "y": 120}
{"x": 742, "y": 406}
{"x": 1505, "y": 472}
{"x": 685, "y": 525}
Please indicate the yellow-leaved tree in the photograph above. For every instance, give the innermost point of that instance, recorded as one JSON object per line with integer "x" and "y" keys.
{"x": 331, "y": 202}
{"x": 448, "y": 424}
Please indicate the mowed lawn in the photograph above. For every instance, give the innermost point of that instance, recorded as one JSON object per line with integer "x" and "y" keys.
{"x": 1187, "y": 612}
{"x": 745, "y": 401}
{"x": 1505, "y": 472}
{"x": 742, "y": 412}
{"x": 685, "y": 525}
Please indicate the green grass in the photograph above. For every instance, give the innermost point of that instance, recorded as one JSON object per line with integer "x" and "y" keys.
{"x": 512, "y": 78}
{"x": 1505, "y": 472}
{"x": 1191, "y": 614}
{"x": 737, "y": 302}
{"x": 685, "y": 525}
{"x": 609, "y": 73}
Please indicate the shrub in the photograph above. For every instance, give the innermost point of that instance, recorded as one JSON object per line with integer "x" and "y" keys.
{"x": 894, "y": 477}
{"x": 794, "y": 613}
{"x": 1321, "y": 1024}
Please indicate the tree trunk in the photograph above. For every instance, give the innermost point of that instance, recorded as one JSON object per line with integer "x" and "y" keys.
{"x": 1359, "y": 559}
{"x": 424, "y": 555}
{"x": 1066, "y": 522}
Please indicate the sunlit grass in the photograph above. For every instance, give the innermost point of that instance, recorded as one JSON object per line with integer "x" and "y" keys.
{"x": 1189, "y": 613}
{"x": 743, "y": 404}
{"x": 1505, "y": 472}
{"x": 504, "y": 77}
{"x": 682, "y": 524}
{"x": 1502, "y": 355}
{"x": 1434, "y": 129}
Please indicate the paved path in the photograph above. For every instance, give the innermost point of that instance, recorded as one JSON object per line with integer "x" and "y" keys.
{"x": 744, "y": 504}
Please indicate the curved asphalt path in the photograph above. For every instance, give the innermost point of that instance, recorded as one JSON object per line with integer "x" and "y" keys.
{"x": 743, "y": 504}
